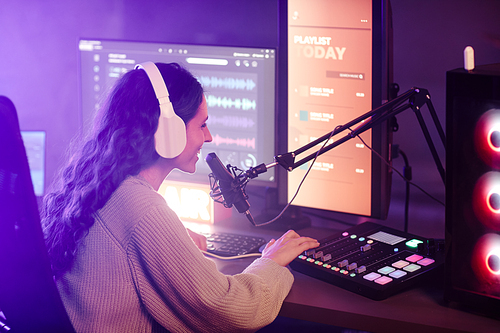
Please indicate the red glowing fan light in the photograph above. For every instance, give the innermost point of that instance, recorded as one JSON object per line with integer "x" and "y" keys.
{"x": 487, "y": 138}
{"x": 486, "y": 200}
{"x": 492, "y": 261}
{"x": 486, "y": 260}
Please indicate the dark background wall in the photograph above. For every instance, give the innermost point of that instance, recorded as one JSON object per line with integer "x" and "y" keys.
{"x": 39, "y": 60}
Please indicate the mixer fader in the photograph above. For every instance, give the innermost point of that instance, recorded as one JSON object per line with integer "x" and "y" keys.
{"x": 371, "y": 260}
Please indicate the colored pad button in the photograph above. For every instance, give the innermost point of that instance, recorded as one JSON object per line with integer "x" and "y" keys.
{"x": 372, "y": 276}
{"x": 425, "y": 261}
{"x": 383, "y": 280}
{"x": 414, "y": 258}
{"x": 397, "y": 274}
{"x": 412, "y": 268}
{"x": 400, "y": 264}
{"x": 386, "y": 270}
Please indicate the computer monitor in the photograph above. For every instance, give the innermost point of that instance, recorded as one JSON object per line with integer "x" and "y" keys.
{"x": 34, "y": 143}
{"x": 239, "y": 84}
{"x": 335, "y": 65}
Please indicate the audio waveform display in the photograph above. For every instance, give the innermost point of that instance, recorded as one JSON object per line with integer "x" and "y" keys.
{"x": 231, "y": 121}
{"x": 227, "y": 83}
{"x": 226, "y": 103}
{"x": 242, "y": 142}
{"x": 241, "y": 95}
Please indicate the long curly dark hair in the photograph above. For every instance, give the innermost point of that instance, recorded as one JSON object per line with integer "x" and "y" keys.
{"x": 121, "y": 144}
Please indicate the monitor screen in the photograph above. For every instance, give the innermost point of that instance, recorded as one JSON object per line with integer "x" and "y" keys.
{"x": 239, "y": 84}
{"x": 34, "y": 143}
{"x": 335, "y": 59}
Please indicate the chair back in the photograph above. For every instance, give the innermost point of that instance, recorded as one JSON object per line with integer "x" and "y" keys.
{"x": 29, "y": 297}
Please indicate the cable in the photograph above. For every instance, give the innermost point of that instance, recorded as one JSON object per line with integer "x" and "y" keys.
{"x": 407, "y": 177}
{"x": 248, "y": 255}
{"x": 399, "y": 173}
{"x": 300, "y": 184}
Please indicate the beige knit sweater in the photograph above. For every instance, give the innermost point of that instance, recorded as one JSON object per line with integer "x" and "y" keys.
{"x": 139, "y": 271}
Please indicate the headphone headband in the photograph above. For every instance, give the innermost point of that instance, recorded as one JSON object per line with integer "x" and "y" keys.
{"x": 170, "y": 137}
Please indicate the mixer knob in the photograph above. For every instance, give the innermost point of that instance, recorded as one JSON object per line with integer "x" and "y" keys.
{"x": 352, "y": 266}
{"x": 309, "y": 253}
{"x": 343, "y": 263}
{"x": 360, "y": 269}
{"x": 366, "y": 247}
{"x": 327, "y": 257}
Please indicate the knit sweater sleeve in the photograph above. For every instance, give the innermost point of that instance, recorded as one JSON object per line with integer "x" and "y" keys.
{"x": 172, "y": 276}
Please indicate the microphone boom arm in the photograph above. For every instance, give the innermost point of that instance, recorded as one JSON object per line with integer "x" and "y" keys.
{"x": 415, "y": 98}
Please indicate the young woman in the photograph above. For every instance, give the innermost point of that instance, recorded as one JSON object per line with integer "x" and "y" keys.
{"x": 122, "y": 259}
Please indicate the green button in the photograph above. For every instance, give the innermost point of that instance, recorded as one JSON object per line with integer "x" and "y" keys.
{"x": 413, "y": 243}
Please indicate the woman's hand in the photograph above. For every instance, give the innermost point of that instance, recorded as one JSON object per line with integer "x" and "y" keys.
{"x": 199, "y": 240}
{"x": 288, "y": 247}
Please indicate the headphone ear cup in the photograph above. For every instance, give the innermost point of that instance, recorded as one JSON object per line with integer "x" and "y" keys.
{"x": 170, "y": 137}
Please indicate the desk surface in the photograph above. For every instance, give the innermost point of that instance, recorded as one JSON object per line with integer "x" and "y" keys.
{"x": 419, "y": 309}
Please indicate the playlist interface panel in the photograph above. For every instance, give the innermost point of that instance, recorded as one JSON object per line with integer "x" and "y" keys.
{"x": 330, "y": 84}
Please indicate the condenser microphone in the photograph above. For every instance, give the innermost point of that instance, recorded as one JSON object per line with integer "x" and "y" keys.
{"x": 227, "y": 186}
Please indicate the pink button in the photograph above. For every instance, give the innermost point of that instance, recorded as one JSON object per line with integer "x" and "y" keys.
{"x": 414, "y": 258}
{"x": 425, "y": 261}
{"x": 383, "y": 280}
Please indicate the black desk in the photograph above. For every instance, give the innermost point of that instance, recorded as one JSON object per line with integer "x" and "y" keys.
{"x": 420, "y": 309}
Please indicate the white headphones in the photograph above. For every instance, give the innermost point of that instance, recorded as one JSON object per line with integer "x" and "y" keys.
{"x": 170, "y": 137}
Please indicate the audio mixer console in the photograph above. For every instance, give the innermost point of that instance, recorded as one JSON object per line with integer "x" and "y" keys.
{"x": 371, "y": 260}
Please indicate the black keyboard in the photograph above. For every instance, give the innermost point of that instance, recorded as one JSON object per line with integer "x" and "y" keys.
{"x": 227, "y": 245}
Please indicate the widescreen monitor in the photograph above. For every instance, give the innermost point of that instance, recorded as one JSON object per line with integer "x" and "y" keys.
{"x": 239, "y": 84}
